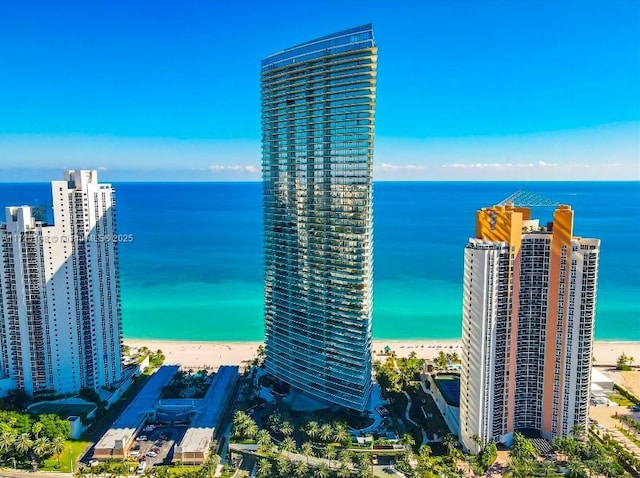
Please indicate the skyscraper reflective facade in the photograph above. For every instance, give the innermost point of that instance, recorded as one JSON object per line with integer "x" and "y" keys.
{"x": 318, "y": 102}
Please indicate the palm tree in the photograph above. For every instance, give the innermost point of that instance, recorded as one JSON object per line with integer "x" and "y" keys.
{"x": 81, "y": 472}
{"x": 36, "y": 428}
{"x": 578, "y": 431}
{"x": 330, "y": 454}
{"x": 346, "y": 457}
{"x": 344, "y": 471}
{"x": 57, "y": 446}
{"x": 7, "y": 439}
{"x": 264, "y": 468}
{"x": 547, "y": 468}
{"x": 307, "y": 450}
{"x": 449, "y": 441}
{"x": 519, "y": 468}
{"x": 313, "y": 429}
{"x": 574, "y": 469}
{"x": 322, "y": 471}
{"x": 300, "y": 469}
{"x": 264, "y": 441}
{"x": 41, "y": 447}
{"x": 286, "y": 429}
{"x": 340, "y": 433}
{"x": 284, "y": 467}
{"x": 515, "y": 468}
{"x": 326, "y": 432}
{"x": 288, "y": 445}
{"x": 251, "y": 430}
{"x": 408, "y": 441}
{"x": 23, "y": 443}
{"x": 240, "y": 422}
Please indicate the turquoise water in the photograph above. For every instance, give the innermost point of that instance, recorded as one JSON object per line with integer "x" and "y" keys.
{"x": 194, "y": 269}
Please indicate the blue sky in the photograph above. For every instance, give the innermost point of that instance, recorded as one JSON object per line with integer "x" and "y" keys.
{"x": 160, "y": 90}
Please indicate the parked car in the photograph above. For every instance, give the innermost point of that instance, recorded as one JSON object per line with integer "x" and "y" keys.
{"x": 94, "y": 462}
{"x": 142, "y": 438}
{"x": 635, "y": 408}
{"x": 151, "y": 454}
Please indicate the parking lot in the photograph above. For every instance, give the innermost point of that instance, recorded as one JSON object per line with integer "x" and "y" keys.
{"x": 156, "y": 447}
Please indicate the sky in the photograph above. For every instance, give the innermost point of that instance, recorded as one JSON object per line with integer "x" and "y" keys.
{"x": 170, "y": 90}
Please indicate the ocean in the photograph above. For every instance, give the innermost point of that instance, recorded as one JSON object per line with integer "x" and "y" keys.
{"x": 194, "y": 269}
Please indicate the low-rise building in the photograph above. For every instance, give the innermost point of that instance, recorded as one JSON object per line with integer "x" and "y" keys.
{"x": 117, "y": 441}
{"x": 195, "y": 446}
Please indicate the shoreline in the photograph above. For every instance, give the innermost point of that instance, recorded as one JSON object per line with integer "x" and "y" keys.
{"x": 195, "y": 355}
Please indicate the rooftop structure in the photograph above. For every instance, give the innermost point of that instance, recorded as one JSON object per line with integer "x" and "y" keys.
{"x": 195, "y": 445}
{"x": 115, "y": 443}
{"x": 318, "y": 101}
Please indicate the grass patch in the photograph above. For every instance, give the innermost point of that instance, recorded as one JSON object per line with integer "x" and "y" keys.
{"x": 620, "y": 399}
{"x": 182, "y": 470}
{"x": 73, "y": 450}
{"x": 630, "y": 436}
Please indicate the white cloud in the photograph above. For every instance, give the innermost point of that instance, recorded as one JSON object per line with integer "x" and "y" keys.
{"x": 217, "y": 168}
{"x": 396, "y": 167}
{"x": 609, "y": 152}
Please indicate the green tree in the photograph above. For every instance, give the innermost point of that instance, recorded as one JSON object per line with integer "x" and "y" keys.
{"x": 264, "y": 468}
{"x": 57, "y": 446}
{"x": 340, "y": 433}
{"x": 330, "y": 454}
{"x": 36, "y": 428}
{"x": 15, "y": 421}
{"x": 53, "y": 426}
{"x": 322, "y": 471}
{"x": 284, "y": 467}
{"x": 286, "y": 429}
{"x": 408, "y": 441}
{"x": 289, "y": 445}
{"x": 450, "y": 442}
{"x": 519, "y": 468}
{"x": 23, "y": 443}
{"x": 578, "y": 431}
{"x": 623, "y": 362}
{"x": 7, "y": 439}
{"x": 344, "y": 471}
{"x": 521, "y": 449}
{"x": 41, "y": 447}
{"x": 546, "y": 468}
{"x": 264, "y": 441}
{"x": 300, "y": 469}
{"x": 240, "y": 423}
{"x": 312, "y": 430}
{"x": 326, "y": 432}
{"x": 307, "y": 450}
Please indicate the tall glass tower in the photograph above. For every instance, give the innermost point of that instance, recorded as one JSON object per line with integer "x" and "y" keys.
{"x": 318, "y": 102}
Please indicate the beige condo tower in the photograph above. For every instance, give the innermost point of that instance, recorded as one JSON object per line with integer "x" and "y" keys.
{"x": 529, "y": 302}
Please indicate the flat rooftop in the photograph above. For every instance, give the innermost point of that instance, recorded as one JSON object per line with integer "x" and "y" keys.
{"x": 203, "y": 424}
{"x": 136, "y": 413}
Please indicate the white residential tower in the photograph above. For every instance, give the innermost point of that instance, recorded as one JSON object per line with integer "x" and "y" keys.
{"x": 60, "y": 324}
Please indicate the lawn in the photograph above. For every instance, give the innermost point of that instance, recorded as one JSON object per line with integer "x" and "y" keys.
{"x": 73, "y": 450}
{"x": 620, "y": 400}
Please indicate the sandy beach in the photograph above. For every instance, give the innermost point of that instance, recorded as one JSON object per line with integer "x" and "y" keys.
{"x": 198, "y": 355}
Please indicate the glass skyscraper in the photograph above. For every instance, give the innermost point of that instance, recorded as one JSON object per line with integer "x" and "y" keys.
{"x": 318, "y": 102}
